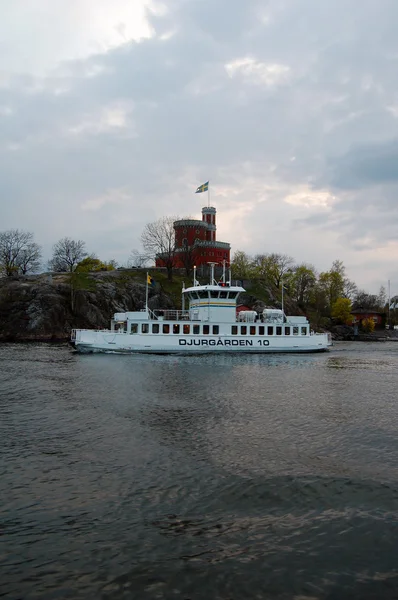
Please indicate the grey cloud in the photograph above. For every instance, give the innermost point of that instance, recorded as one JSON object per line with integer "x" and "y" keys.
{"x": 325, "y": 125}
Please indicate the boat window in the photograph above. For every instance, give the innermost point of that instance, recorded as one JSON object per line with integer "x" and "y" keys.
{"x": 233, "y": 295}
{"x": 234, "y": 330}
{"x": 303, "y": 331}
{"x": 195, "y": 295}
{"x": 196, "y": 329}
{"x": 279, "y": 331}
{"x": 206, "y": 329}
{"x": 134, "y": 328}
{"x": 145, "y": 328}
{"x": 216, "y": 329}
{"x": 203, "y": 294}
{"x": 252, "y": 330}
{"x": 213, "y": 294}
{"x": 295, "y": 330}
{"x": 155, "y": 328}
{"x": 166, "y": 328}
{"x": 176, "y": 328}
{"x": 270, "y": 330}
{"x": 287, "y": 330}
{"x": 186, "y": 329}
{"x": 261, "y": 330}
{"x": 243, "y": 329}
{"x": 223, "y": 294}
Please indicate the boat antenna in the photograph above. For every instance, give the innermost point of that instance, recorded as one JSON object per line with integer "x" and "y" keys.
{"x": 212, "y": 265}
{"x": 283, "y": 288}
{"x": 223, "y": 271}
{"x": 194, "y": 276}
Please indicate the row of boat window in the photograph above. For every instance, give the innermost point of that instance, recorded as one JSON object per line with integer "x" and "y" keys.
{"x": 187, "y": 329}
{"x": 212, "y": 294}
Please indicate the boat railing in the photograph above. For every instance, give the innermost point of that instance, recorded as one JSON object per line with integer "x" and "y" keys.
{"x": 171, "y": 315}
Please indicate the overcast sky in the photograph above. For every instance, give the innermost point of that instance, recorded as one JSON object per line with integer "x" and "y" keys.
{"x": 112, "y": 112}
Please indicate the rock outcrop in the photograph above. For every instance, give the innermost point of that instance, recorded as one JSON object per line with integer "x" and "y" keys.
{"x": 46, "y": 308}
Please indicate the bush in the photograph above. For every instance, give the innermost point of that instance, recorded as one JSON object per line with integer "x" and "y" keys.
{"x": 368, "y": 325}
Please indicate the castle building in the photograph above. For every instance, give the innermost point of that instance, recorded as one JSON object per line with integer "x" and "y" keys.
{"x": 196, "y": 242}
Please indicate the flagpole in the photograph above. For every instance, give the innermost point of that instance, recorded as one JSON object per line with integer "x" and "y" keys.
{"x": 146, "y": 293}
{"x": 208, "y": 194}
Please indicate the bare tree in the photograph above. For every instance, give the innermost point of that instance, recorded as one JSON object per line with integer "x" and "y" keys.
{"x": 67, "y": 254}
{"x": 137, "y": 259}
{"x": 188, "y": 255}
{"x": 18, "y": 252}
{"x": 158, "y": 240}
{"x": 30, "y": 259}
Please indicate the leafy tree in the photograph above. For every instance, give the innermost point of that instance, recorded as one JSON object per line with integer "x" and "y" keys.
{"x": 67, "y": 253}
{"x": 92, "y": 263}
{"x": 19, "y": 253}
{"x": 273, "y": 267}
{"x": 332, "y": 283}
{"x": 158, "y": 240}
{"x": 242, "y": 265}
{"x": 302, "y": 283}
{"x": 341, "y": 310}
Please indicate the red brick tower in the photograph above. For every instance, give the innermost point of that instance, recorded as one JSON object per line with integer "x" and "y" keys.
{"x": 196, "y": 242}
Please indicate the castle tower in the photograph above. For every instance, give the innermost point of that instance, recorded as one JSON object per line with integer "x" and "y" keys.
{"x": 209, "y": 217}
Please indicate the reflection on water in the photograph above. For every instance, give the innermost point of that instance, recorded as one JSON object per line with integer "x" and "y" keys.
{"x": 198, "y": 477}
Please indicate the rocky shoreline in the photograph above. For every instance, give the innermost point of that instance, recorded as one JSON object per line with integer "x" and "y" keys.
{"x": 45, "y": 308}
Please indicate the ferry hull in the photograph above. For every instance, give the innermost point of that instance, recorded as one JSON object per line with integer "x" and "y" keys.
{"x": 102, "y": 342}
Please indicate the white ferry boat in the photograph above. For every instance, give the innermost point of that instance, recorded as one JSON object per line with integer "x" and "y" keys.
{"x": 211, "y": 324}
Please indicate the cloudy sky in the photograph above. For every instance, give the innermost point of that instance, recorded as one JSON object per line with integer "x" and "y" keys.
{"x": 112, "y": 112}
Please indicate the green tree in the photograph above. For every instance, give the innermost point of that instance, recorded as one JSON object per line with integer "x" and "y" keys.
{"x": 341, "y": 310}
{"x": 302, "y": 282}
{"x": 274, "y": 267}
{"x": 332, "y": 283}
{"x": 92, "y": 263}
{"x": 242, "y": 266}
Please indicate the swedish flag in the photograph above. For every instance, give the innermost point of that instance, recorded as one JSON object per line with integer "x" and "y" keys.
{"x": 202, "y": 188}
{"x": 150, "y": 281}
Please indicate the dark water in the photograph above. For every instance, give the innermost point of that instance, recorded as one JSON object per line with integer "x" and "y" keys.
{"x": 242, "y": 477}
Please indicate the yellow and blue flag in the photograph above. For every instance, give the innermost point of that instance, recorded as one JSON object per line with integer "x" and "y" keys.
{"x": 150, "y": 281}
{"x": 202, "y": 188}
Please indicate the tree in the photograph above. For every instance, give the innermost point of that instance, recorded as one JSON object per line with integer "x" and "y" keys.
{"x": 382, "y": 297}
{"x": 92, "y": 263}
{"x": 67, "y": 253}
{"x": 188, "y": 256}
{"x": 273, "y": 267}
{"x": 332, "y": 283}
{"x": 242, "y": 265}
{"x": 158, "y": 240}
{"x": 341, "y": 310}
{"x": 137, "y": 259}
{"x": 18, "y": 252}
{"x": 302, "y": 282}
{"x": 366, "y": 301}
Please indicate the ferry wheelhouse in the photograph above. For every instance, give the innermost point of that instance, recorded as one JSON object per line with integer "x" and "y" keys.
{"x": 209, "y": 325}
